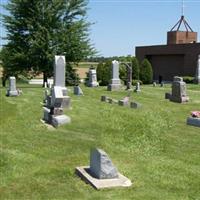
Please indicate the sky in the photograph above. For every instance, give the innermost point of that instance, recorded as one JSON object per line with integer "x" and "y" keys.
{"x": 121, "y": 25}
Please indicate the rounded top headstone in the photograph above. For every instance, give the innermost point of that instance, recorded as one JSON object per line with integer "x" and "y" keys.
{"x": 177, "y": 78}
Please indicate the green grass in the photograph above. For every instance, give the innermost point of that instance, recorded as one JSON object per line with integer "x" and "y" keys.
{"x": 152, "y": 146}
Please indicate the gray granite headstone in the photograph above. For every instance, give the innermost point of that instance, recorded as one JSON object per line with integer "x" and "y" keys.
{"x": 115, "y": 83}
{"x": 59, "y": 71}
{"x": 193, "y": 121}
{"x": 197, "y": 75}
{"x": 179, "y": 90}
{"x": 101, "y": 166}
{"x": 12, "y": 91}
{"x": 78, "y": 90}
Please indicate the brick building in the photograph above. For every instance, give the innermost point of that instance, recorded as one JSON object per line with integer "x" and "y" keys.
{"x": 177, "y": 58}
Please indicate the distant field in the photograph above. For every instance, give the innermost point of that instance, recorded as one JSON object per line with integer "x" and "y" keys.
{"x": 86, "y": 65}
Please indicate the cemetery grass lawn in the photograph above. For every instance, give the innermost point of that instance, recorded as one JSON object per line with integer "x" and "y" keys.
{"x": 152, "y": 146}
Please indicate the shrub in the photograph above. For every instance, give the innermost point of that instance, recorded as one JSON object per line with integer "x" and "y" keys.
{"x": 146, "y": 73}
{"x": 135, "y": 68}
{"x": 104, "y": 73}
{"x": 188, "y": 79}
{"x": 134, "y": 82}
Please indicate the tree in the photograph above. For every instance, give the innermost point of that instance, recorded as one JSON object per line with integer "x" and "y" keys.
{"x": 135, "y": 69}
{"x": 146, "y": 73}
{"x": 104, "y": 73}
{"x": 38, "y": 30}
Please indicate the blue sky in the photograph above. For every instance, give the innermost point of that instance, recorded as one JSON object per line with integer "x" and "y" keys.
{"x": 120, "y": 25}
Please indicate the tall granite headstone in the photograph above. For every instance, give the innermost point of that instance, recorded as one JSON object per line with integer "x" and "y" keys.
{"x": 58, "y": 99}
{"x": 197, "y": 76}
{"x": 179, "y": 90}
{"x": 59, "y": 71}
{"x": 92, "y": 78}
{"x": 115, "y": 83}
{"x": 12, "y": 91}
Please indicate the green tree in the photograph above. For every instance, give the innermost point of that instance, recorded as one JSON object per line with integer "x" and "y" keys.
{"x": 104, "y": 73}
{"x": 146, "y": 72}
{"x": 39, "y": 30}
{"x": 135, "y": 69}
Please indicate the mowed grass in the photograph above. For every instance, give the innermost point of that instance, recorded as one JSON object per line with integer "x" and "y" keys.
{"x": 152, "y": 146}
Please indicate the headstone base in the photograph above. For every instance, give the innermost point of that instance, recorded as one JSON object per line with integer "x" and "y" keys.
{"x": 93, "y": 84}
{"x": 60, "y": 120}
{"x": 121, "y": 181}
{"x": 12, "y": 93}
{"x": 193, "y": 121}
{"x": 112, "y": 87}
{"x": 179, "y": 100}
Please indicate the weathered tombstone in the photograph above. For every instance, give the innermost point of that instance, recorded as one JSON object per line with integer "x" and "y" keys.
{"x": 167, "y": 95}
{"x": 124, "y": 102}
{"x": 57, "y": 100}
{"x": 115, "y": 83}
{"x": 197, "y": 75}
{"x": 162, "y": 84}
{"x": 179, "y": 90}
{"x": 78, "y": 90}
{"x": 93, "y": 78}
{"x": 45, "y": 84}
{"x": 102, "y": 173}
{"x": 135, "y": 105}
{"x": 154, "y": 84}
{"x": 137, "y": 87}
{"x": 104, "y": 98}
{"x": 12, "y": 91}
{"x": 59, "y": 71}
{"x": 101, "y": 166}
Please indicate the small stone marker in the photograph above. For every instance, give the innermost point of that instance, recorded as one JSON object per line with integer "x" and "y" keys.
{"x": 135, "y": 105}
{"x": 123, "y": 102}
{"x": 92, "y": 78}
{"x": 167, "y": 95}
{"x": 162, "y": 84}
{"x": 154, "y": 84}
{"x": 78, "y": 90}
{"x": 194, "y": 120}
{"x": 115, "y": 83}
{"x": 12, "y": 91}
{"x": 137, "y": 87}
{"x": 102, "y": 173}
{"x": 104, "y": 98}
{"x": 179, "y": 91}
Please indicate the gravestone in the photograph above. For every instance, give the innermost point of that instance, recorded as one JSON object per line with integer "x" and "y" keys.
{"x": 59, "y": 71}
{"x": 137, "y": 87}
{"x": 101, "y": 166}
{"x": 154, "y": 84}
{"x": 78, "y": 90}
{"x": 135, "y": 105}
{"x": 12, "y": 91}
{"x": 93, "y": 78}
{"x": 162, "y": 84}
{"x": 115, "y": 83}
{"x": 102, "y": 173}
{"x": 197, "y": 75}
{"x": 104, "y": 98}
{"x": 58, "y": 99}
{"x": 124, "y": 101}
{"x": 179, "y": 91}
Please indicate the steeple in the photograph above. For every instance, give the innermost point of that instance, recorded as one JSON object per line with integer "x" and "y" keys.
{"x": 176, "y": 36}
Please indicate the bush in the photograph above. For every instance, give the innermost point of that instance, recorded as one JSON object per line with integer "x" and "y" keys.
{"x": 146, "y": 72}
{"x": 134, "y": 82}
{"x": 135, "y": 68}
{"x": 104, "y": 73}
{"x": 188, "y": 79}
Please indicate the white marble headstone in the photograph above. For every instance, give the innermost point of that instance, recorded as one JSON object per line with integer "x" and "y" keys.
{"x": 59, "y": 71}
